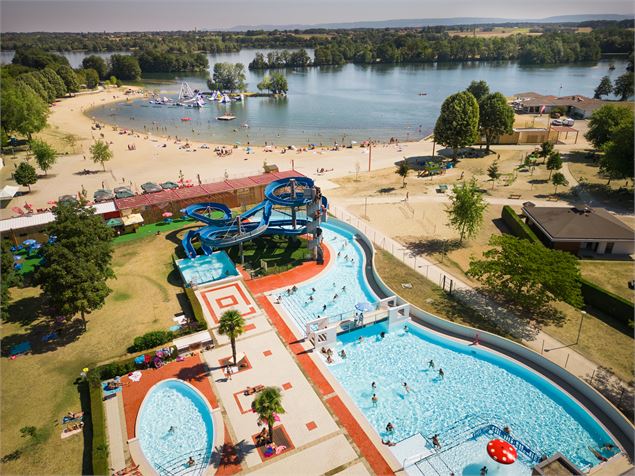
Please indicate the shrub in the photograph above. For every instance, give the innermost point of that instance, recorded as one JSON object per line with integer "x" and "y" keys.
{"x": 100, "y": 442}
{"x": 151, "y": 340}
{"x": 518, "y": 227}
{"x": 197, "y": 310}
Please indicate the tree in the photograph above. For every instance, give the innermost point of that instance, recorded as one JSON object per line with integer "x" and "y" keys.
{"x": 624, "y": 86}
{"x": 403, "y": 169}
{"x": 232, "y": 325}
{"x": 23, "y": 111}
{"x": 55, "y": 81}
{"x": 228, "y": 77}
{"x": 457, "y": 125}
{"x": 268, "y": 404}
{"x": 557, "y": 180}
{"x": 496, "y": 117}
{"x": 279, "y": 83}
{"x": 604, "y": 88}
{"x": 97, "y": 63}
{"x": 528, "y": 273}
{"x": 69, "y": 77}
{"x": 25, "y": 175}
{"x": 493, "y": 172}
{"x": 38, "y": 84}
{"x": 554, "y": 162}
{"x": 618, "y": 159}
{"x": 91, "y": 78}
{"x": 75, "y": 268}
{"x": 602, "y": 121}
{"x": 45, "y": 155}
{"x": 100, "y": 152}
{"x": 466, "y": 209}
{"x": 264, "y": 84}
{"x": 37, "y": 58}
{"x": 125, "y": 67}
{"x": 479, "y": 89}
{"x": 9, "y": 278}
{"x": 546, "y": 148}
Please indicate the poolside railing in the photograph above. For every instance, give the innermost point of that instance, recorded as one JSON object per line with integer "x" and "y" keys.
{"x": 178, "y": 466}
{"x": 519, "y": 445}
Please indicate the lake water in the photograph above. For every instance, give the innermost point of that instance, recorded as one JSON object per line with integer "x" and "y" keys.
{"x": 341, "y": 103}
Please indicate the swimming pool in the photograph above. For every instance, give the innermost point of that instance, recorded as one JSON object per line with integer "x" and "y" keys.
{"x": 204, "y": 269}
{"x": 174, "y": 424}
{"x": 478, "y": 388}
{"x": 344, "y": 278}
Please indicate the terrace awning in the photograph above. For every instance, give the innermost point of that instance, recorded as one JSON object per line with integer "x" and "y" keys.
{"x": 132, "y": 219}
{"x": 113, "y": 222}
{"x": 8, "y": 192}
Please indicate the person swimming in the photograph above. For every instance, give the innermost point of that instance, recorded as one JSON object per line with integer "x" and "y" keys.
{"x": 406, "y": 388}
{"x": 390, "y": 428}
{"x": 382, "y": 334}
{"x": 435, "y": 441}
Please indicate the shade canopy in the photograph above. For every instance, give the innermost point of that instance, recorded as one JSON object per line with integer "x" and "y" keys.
{"x": 123, "y": 192}
{"x": 114, "y": 222}
{"x": 103, "y": 194}
{"x": 150, "y": 187}
{"x": 169, "y": 185}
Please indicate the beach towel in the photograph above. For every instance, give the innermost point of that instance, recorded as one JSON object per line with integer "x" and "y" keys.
{"x": 49, "y": 337}
{"x": 20, "y": 348}
{"x": 109, "y": 393}
{"x": 135, "y": 376}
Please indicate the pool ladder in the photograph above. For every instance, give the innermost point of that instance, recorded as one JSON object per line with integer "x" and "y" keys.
{"x": 178, "y": 466}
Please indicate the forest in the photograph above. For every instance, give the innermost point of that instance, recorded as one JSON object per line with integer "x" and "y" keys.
{"x": 184, "y": 50}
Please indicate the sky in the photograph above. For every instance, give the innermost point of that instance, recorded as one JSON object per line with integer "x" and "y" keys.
{"x": 153, "y": 15}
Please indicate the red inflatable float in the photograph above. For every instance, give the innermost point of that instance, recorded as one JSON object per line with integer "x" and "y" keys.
{"x": 502, "y": 452}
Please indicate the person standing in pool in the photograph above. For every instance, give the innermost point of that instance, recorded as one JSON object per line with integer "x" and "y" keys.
{"x": 324, "y": 308}
{"x": 373, "y": 385}
{"x": 390, "y": 428}
{"x": 431, "y": 364}
{"x": 406, "y": 388}
{"x": 441, "y": 373}
{"x": 374, "y": 399}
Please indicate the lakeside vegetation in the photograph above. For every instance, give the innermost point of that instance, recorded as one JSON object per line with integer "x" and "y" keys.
{"x": 541, "y": 44}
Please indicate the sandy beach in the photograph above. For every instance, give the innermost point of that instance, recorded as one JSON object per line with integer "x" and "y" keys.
{"x": 157, "y": 159}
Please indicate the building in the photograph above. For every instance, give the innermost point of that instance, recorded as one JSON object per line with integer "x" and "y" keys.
{"x": 528, "y": 135}
{"x": 580, "y": 230}
{"x": 576, "y": 106}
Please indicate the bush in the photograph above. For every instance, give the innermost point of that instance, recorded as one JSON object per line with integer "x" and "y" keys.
{"x": 607, "y": 302}
{"x": 518, "y": 227}
{"x": 100, "y": 442}
{"x": 150, "y": 340}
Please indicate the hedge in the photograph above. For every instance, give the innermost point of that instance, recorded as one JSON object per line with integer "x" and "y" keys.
{"x": 100, "y": 440}
{"x": 607, "y": 302}
{"x": 150, "y": 340}
{"x": 517, "y": 226}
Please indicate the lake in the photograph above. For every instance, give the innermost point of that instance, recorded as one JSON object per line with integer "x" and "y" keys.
{"x": 340, "y": 103}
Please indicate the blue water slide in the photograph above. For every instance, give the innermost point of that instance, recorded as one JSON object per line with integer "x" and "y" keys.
{"x": 187, "y": 243}
{"x": 279, "y": 192}
{"x": 194, "y": 211}
{"x": 226, "y": 236}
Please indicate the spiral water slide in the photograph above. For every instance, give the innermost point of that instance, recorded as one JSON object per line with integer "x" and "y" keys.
{"x": 227, "y": 230}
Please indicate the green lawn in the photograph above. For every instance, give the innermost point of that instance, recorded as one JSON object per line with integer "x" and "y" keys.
{"x": 427, "y": 296}
{"x": 38, "y": 389}
{"x": 280, "y": 253}
{"x": 611, "y": 275}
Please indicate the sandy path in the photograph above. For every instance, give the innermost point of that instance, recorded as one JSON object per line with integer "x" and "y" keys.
{"x": 150, "y": 161}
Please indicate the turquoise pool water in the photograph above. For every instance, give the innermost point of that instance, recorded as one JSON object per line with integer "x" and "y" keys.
{"x": 174, "y": 424}
{"x": 345, "y": 278}
{"x": 204, "y": 269}
{"x": 478, "y": 388}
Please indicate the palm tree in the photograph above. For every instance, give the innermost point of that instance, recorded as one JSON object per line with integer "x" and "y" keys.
{"x": 267, "y": 404}
{"x": 232, "y": 325}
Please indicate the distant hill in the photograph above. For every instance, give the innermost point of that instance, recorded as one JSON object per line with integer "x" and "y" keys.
{"x": 417, "y": 23}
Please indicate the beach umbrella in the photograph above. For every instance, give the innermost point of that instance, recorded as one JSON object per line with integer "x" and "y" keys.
{"x": 29, "y": 242}
{"x": 502, "y": 452}
{"x": 169, "y": 185}
{"x": 364, "y": 306}
{"x": 166, "y": 214}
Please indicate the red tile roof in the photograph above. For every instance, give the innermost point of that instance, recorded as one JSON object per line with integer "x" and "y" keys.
{"x": 241, "y": 183}
{"x": 191, "y": 192}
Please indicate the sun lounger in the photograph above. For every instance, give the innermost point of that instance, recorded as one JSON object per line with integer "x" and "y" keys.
{"x": 406, "y": 285}
{"x": 252, "y": 390}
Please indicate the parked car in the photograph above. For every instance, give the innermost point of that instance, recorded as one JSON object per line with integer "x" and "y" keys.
{"x": 556, "y": 122}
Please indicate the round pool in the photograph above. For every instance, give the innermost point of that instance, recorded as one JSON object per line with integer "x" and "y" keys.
{"x": 174, "y": 425}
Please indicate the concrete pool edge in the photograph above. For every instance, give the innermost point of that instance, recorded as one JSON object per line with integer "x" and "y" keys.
{"x": 602, "y": 410}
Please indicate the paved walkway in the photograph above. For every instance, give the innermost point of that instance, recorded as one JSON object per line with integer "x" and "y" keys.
{"x": 115, "y": 437}
{"x": 535, "y": 339}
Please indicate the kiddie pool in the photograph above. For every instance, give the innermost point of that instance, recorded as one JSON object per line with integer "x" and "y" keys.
{"x": 174, "y": 424}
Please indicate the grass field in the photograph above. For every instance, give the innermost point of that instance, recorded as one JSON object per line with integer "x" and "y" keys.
{"x": 611, "y": 275}
{"x": 278, "y": 252}
{"x": 38, "y": 389}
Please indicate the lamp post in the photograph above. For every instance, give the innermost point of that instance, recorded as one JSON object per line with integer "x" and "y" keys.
{"x": 582, "y": 314}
